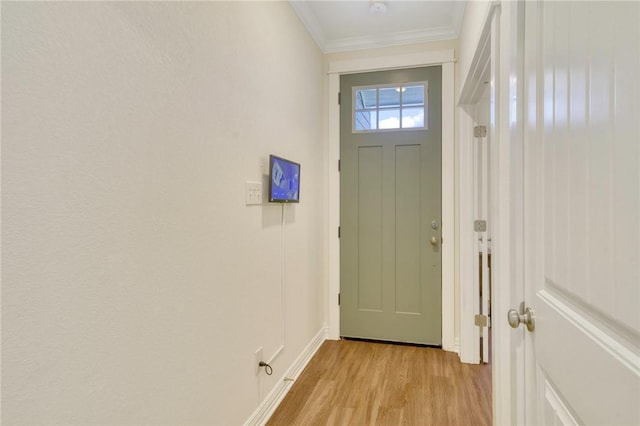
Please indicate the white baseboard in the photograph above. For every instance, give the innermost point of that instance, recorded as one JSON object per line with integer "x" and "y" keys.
{"x": 280, "y": 390}
{"x": 456, "y": 346}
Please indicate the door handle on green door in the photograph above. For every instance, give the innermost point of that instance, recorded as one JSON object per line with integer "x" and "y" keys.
{"x": 434, "y": 241}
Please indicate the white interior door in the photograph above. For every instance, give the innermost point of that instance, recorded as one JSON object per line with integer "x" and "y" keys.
{"x": 582, "y": 212}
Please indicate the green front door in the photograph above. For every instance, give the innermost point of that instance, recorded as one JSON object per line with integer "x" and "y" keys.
{"x": 390, "y": 206}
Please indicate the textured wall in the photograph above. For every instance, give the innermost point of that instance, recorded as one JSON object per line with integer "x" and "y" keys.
{"x": 135, "y": 282}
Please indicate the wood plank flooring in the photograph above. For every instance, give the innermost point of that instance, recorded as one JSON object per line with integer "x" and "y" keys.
{"x": 363, "y": 383}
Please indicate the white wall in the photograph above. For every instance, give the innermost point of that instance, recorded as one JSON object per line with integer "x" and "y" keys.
{"x": 136, "y": 284}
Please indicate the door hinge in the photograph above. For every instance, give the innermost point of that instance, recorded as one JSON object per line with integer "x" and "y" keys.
{"x": 339, "y": 166}
{"x": 480, "y": 131}
{"x": 338, "y": 299}
{"x": 338, "y": 232}
{"x": 339, "y": 98}
{"x": 480, "y": 225}
{"x": 481, "y": 320}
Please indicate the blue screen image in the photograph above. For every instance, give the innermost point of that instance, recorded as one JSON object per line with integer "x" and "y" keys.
{"x": 285, "y": 180}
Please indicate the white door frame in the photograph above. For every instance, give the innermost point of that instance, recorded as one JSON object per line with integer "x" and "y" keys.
{"x": 482, "y": 68}
{"x": 445, "y": 58}
{"x": 500, "y": 48}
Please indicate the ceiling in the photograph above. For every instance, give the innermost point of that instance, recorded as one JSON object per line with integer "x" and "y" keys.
{"x": 343, "y": 25}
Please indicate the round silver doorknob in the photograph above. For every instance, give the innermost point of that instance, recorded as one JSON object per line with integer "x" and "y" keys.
{"x": 515, "y": 319}
{"x": 434, "y": 241}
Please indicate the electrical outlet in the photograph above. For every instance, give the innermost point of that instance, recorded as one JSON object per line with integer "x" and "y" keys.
{"x": 253, "y": 193}
{"x": 258, "y": 358}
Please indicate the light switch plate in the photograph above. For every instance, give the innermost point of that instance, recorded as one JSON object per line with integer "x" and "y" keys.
{"x": 253, "y": 193}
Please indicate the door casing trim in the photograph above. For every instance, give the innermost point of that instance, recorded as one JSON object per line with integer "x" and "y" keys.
{"x": 482, "y": 68}
{"x": 502, "y": 38}
{"x": 446, "y": 58}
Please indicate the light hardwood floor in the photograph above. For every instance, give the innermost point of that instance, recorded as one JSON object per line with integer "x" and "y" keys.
{"x": 363, "y": 383}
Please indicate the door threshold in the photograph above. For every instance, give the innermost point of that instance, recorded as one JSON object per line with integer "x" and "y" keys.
{"x": 390, "y": 342}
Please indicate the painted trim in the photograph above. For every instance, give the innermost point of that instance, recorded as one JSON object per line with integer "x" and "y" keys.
{"x": 468, "y": 297}
{"x": 381, "y": 63}
{"x": 458, "y": 16}
{"x": 333, "y": 314}
{"x": 448, "y": 206}
{"x": 472, "y": 89}
{"x": 446, "y": 58}
{"x": 507, "y": 260}
{"x": 400, "y": 38}
{"x": 269, "y": 405}
{"x": 315, "y": 29}
{"x": 505, "y": 30}
{"x": 479, "y": 69}
{"x": 311, "y": 23}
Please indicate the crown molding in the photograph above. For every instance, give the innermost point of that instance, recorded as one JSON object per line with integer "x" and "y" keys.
{"x": 458, "y": 14}
{"x": 314, "y": 27}
{"x": 310, "y": 21}
{"x": 391, "y": 39}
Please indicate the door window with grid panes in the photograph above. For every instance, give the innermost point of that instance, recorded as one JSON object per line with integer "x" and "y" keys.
{"x": 397, "y": 107}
